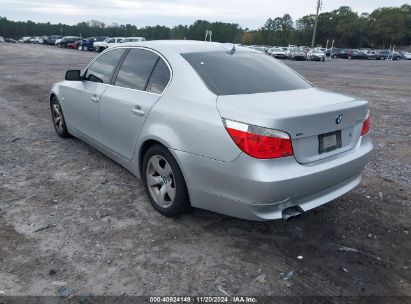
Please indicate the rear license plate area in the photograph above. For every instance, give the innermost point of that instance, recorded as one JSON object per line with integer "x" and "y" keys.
{"x": 329, "y": 141}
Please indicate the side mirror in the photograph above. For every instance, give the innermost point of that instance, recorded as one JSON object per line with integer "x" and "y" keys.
{"x": 73, "y": 75}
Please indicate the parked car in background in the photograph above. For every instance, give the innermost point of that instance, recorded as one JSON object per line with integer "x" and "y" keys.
{"x": 278, "y": 53}
{"x": 51, "y": 40}
{"x": 373, "y": 55}
{"x": 102, "y": 45}
{"x": 357, "y": 55}
{"x": 25, "y": 39}
{"x": 72, "y": 45}
{"x": 269, "y": 144}
{"x": 2, "y": 39}
{"x": 297, "y": 54}
{"x": 38, "y": 40}
{"x": 385, "y": 54}
{"x": 259, "y": 48}
{"x": 339, "y": 53}
{"x": 133, "y": 39}
{"x": 406, "y": 55}
{"x": 10, "y": 40}
{"x": 316, "y": 55}
{"x": 88, "y": 43}
{"x": 289, "y": 49}
{"x": 67, "y": 40}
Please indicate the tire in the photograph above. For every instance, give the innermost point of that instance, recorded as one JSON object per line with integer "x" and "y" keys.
{"x": 57, "y": 117}
{"x": 161, "y": 171}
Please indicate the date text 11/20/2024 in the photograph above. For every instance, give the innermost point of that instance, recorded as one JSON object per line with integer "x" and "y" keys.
{"x": 204, "y": 299}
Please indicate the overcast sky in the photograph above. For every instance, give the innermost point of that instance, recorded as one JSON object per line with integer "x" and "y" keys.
{"x": 247, "y": 13}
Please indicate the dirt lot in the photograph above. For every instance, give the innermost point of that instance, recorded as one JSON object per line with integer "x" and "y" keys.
{"x": 104, "y": 238}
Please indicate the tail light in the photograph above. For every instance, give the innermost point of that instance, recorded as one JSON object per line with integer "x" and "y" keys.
{"x": 366, "y": 125}
{"x": 259, "y": 142}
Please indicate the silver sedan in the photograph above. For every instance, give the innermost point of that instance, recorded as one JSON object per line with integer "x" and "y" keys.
{"x": 216, "y": 126}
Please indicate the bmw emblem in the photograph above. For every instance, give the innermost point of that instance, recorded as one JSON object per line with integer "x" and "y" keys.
{"x": 338, "y": 120}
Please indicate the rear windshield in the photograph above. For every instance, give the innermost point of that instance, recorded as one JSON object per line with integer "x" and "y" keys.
{"x": 233, "y": 73}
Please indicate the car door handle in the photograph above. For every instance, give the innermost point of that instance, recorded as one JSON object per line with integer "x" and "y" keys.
{"x": 95, "y": 99}
{"x": 137, "y": 111}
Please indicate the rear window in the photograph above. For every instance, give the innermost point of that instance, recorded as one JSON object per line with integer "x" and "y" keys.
{"x": 234, "y": 73}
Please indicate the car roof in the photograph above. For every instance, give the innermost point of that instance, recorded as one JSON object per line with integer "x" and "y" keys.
{"x": 188, "y": 46}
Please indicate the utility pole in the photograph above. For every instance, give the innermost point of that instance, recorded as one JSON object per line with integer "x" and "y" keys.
{"x": 319, "y": 3}
{"x": 208, "y": 33}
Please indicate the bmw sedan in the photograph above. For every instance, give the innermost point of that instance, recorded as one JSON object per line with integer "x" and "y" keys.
{"x": 216, "y": 126}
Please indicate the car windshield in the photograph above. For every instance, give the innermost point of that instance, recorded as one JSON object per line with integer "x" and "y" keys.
{"x": 234, "y": 73}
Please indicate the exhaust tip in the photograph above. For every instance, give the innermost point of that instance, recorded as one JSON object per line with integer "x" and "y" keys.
{"x": 291, "y": 212}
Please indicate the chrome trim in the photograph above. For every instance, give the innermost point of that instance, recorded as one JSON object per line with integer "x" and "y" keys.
{"x": 133, "y": 47}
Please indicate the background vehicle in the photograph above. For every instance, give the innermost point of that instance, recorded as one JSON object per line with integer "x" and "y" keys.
{"x": 297, "y": 54}
{"x": 316, "y": 55}
{"x": 133, "y": 39}
{"x": 406, "y": 55}
{"x": 357, "y": 55}
{"x": 259, "y": 48}
{"x": 25, "y": 39}
{"x": 51, "y": 40}
{"x": 278, "y": 53}
{"x": 72, "y": 45}
{"x": 373, "y": 54}
{"x": 38, "y": 40}
{"x": 341, "y": 53}
{"x": 102, "y": 45}
{"x": 2, "y": 39}
{"x": 252, "y": 120}
{"x": 10, "y": 40}
{"x": 67, "y": 40}
{"x": 385, "y": 54}
{"x": 88, "y": 43}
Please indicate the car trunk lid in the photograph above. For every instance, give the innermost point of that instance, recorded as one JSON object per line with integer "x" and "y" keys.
{"x": 307, "y": 115}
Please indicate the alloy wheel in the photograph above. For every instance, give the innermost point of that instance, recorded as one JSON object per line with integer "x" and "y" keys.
{"x": 160, "y": 181}
{"x": 57, "y": 117}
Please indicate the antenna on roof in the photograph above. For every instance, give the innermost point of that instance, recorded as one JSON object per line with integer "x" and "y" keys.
{"x": 233, "y": 50}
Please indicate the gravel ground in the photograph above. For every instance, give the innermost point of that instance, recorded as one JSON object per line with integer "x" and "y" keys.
{"x": 69, "y": 214}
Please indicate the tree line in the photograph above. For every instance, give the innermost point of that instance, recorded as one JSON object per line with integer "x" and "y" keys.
{"x": 383, "y": 27}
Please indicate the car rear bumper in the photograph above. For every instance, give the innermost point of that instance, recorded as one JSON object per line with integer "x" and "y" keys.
{"x": 255, "y": 189}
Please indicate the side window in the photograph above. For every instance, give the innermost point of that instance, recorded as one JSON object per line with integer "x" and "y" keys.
{"x": 112, "y": 40}
{"x": 102, "y": 69}
{"x": 136, "y": 69}
{"x": 160, "y": 78}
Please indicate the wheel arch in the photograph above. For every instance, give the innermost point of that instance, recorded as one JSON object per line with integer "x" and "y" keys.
{"x": 52, "y": 95}
{"x": 146, "y": 145}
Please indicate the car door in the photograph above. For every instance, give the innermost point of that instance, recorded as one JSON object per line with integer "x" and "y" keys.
{"x": 110, "y": 42}
{"x": 138, "y": 85}
{"x": 81, "y": 98}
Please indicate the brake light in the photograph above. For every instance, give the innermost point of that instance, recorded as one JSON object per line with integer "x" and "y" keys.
{"x": 259, "y": 142}
{"x": 366, "y": 125}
